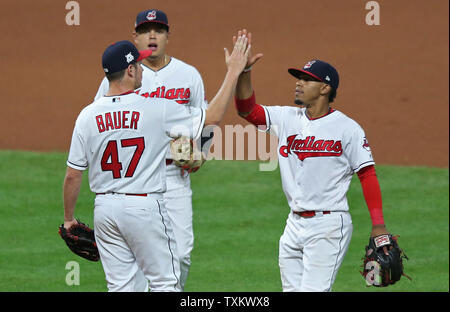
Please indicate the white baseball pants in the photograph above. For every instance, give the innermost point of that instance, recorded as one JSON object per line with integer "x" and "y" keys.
{"x": 178, "y": 202}
{"x": 136, "y": 243}
{"x": 312, "y": 250}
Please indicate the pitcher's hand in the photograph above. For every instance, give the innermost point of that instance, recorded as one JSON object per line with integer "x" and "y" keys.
{"x": 252, "y": 59}
{"x": 238, "y": 58}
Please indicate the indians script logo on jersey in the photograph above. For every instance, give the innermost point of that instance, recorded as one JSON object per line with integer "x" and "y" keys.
{"x": 180, "y": 95}
{"x": 310, "y": 147}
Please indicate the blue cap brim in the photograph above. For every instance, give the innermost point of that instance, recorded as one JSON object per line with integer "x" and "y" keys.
{"x": 156, "y": 22}
{"x": 298, "y": 72}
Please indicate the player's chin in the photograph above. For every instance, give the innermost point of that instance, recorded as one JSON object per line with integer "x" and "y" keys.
{"x": 155, "y": 54}
{"x": 298, "y": 100}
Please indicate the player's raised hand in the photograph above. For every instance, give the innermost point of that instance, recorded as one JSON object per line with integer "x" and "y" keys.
{"x": 251, "y": 59}
{"x": 237, "y": 60}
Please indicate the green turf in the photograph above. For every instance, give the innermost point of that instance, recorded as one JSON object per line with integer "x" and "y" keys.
{"x": 239, "y": 216}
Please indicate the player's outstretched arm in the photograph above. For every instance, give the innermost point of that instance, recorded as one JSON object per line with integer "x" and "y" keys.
{"x": 245, "y": 96}
{"x": 244, "y": 89}
{"x": 236, "y": 62}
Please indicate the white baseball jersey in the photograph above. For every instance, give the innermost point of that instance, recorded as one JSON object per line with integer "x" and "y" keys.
{"x": 123, "y": 140}
{"x": 177, "y": 81}
{"x": 317, "y": 157}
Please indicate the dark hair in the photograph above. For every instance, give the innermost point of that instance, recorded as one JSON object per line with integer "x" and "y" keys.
{"x": 118, "y": 75}
{"x": 332, "y": 95}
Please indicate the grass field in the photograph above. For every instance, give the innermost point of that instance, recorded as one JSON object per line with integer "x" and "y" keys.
{"x": 239, "y": 216}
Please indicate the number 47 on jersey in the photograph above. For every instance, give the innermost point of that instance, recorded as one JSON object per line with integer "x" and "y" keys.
{"x": 110, "y": 159}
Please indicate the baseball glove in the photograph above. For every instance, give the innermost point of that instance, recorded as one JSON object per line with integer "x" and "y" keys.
{"x": 80, "y": 239}
{"x": 382, "y": 269}
{"x": 185, "y": 155}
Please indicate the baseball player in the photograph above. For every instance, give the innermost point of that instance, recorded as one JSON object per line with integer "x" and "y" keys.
{"x": 167, "y": 77}
{"x": 319, "y": 150}
{"x": 122, "y": 138}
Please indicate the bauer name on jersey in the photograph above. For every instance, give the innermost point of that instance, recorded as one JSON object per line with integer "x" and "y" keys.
{"x": 317, "y": 157}
{"x": 123, "y": 140}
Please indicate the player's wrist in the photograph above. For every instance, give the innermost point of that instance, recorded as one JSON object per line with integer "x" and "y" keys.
{"x": 234, "y": 72}
{"x": 245, "y": 105}
{"x": 70, "y": 223}
{"x": 247, "y": 69}
{"x": 378, "y": 229}
{"x": 69, "y": 219}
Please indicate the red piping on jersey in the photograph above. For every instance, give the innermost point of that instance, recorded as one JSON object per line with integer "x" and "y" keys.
{"x": 125, "y": 93}
{"x": 327, "y": 113}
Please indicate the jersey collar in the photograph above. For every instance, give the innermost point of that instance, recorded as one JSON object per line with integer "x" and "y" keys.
{"x": 155, "y": 71}
{"x": 128, "y": 92}
{"x": 125, "y": 93}
{"x": 330, "y": 110}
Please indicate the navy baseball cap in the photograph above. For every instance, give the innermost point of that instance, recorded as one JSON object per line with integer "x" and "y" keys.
{"x": 319, "y": 70}
{"x": 151, "y": 16}
{"x": 120, "y": 55}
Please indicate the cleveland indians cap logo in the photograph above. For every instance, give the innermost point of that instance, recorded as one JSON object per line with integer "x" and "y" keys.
{"x": 366, "y": 145}
{"x": 151, "y": 15}
{"x": 309, "y": 64}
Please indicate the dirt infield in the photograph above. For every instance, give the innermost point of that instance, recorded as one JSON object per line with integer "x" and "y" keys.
{"x": 394, "y": 77}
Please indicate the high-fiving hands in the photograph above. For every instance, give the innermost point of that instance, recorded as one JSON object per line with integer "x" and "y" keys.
{"x": 237, "y": 60}
{"x": 251, "y": 59}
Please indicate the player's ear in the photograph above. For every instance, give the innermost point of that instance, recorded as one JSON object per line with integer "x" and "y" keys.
{"x": 325, "y": 89}
{"x": 131, "y": 70}
{"x": 134, "y": 34}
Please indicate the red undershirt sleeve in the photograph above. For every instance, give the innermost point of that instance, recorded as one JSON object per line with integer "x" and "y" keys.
{"x": 372, "y": 193}
{"x": 257, "y": 115}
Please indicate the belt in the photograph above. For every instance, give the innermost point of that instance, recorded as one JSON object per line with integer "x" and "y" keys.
{"x": 128, "y": 194}
{"x": 169, "y": 161}
{"x": 309, "y": 213}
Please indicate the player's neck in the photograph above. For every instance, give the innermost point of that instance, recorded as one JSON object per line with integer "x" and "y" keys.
{"x": 156, "y": 63}
{"x": 317, "y": 110}
{"x": 116, "y": 88}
